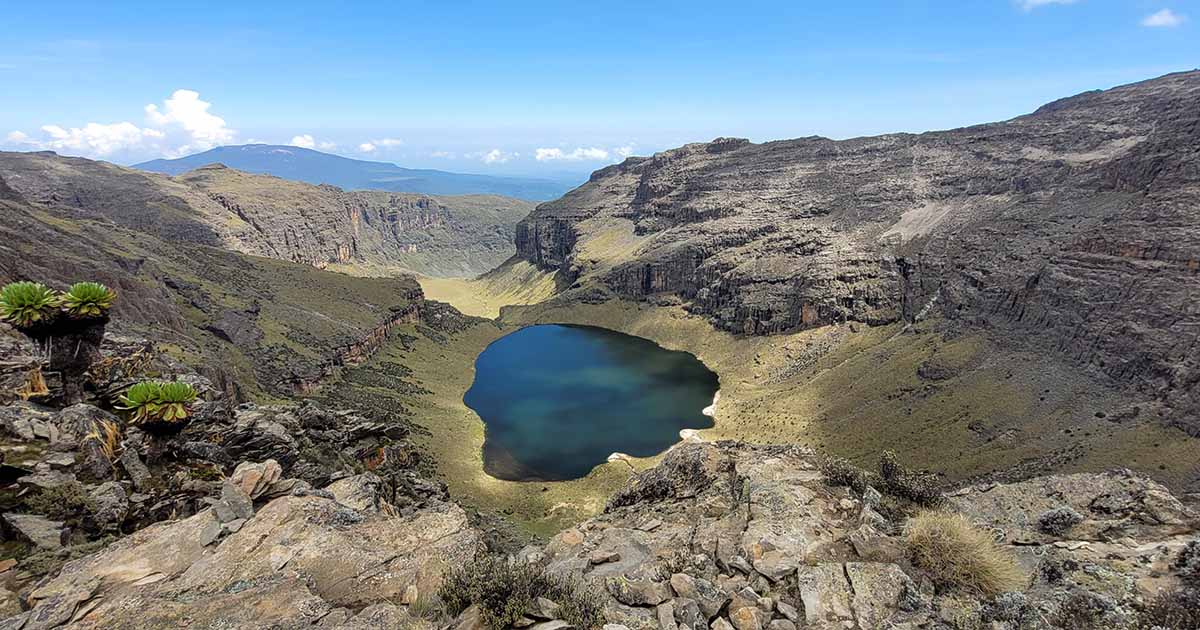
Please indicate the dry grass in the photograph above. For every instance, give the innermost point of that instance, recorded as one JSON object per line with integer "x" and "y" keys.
{"x": 956, "y": 554}
{"x": 108, "y": 435}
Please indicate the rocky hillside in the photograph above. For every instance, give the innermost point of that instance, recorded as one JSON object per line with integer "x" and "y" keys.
{"x": 364, "y": 232}
{"x": 257, "y": 327}
{"x": 1072, "y": 230}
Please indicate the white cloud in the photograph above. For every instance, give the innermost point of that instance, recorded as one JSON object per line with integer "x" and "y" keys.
{"x": 95, "y": 138}
{"x": 372, "y": 146}
{"x": 185, "y": 109}
{"x": 624, "y": 152}
{"x": 181, "y": 125}
{"x": 496, "y": 156}
{"x": 306, "y": 141}
{"x": 580, "y": 153}
{"x": 1029, "y": 5}
{"x": 442, "y": 154}
{"x": 1164, "y": 19}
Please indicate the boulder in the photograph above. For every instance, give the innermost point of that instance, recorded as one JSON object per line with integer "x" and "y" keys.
{"x": 294, "y": 561}
{"x": 255, "y": 479}
{"x": 361, "y": 492}
{"x": 38, "y": 530}
{"x": 111, "y": 505}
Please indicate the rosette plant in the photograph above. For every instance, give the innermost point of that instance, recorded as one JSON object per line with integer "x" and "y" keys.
{"x": 162, "y": 403}
{"x": 27, "y": 304}
{"x": 88, "y": 300}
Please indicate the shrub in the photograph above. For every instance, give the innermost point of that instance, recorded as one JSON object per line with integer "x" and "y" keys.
{"x": 1177, "y": 609}
{"x": 504, "y": 592}
{"x": 1082, "y": 610}
{"x": 840, "y": 472}
{"x": 1057, "y": 521}
{"x": 1188, "y": 563}
{"x": 956, "y": 554}
{"x": 900, "y": 482}
{"x": 63, "y": 502}
{"x": 25, "y": 304}
{"x": 889, "y": 466}
{"x": 88, "y": 299}
{"x": 158, "y": 401}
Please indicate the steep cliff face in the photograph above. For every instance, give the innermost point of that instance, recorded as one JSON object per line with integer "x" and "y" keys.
{"x": 325, "y": 225}
{"x": 368, "y": 232}
{"x": 1075, "y": 227}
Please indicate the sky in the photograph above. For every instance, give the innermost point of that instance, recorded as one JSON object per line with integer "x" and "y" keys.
{"x": 550, "y": 88}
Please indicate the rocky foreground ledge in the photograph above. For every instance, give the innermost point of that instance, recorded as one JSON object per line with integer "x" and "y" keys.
{"x": 718, "y": 536}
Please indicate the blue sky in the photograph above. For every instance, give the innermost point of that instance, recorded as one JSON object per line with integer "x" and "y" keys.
{"x": 492, "y": 86}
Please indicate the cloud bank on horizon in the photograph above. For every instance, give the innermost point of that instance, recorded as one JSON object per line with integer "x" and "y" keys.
{"x": 183, "y": 124}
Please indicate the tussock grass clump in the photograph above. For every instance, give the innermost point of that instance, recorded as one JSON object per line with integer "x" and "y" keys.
{"x": 27, "y": 304}
{"x": 956, "y": 554}
{"x": 88, "y": 299}
{"x": 505, "y": 591}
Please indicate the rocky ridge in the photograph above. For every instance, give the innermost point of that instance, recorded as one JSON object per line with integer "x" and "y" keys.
{"x": 372, "y": 232}
{"x": 1071, "y": 229}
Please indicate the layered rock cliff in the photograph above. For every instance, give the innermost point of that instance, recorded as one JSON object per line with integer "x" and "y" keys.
{"x": 1073, "y": 228}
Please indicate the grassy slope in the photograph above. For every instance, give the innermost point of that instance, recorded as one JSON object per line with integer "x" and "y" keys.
{"x": 516, "y": 282}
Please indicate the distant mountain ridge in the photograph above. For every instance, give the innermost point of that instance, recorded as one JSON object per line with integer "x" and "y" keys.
{"x": 315, "y": 167}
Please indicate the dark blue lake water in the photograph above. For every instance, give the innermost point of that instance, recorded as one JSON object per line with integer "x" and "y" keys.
{"x": 558, "y": 400}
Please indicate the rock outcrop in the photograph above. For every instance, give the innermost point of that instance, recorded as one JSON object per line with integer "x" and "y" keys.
{"x": 1073, "y": 228}
{"x": 718, "y": 536}
{"x": 750, "y": 537}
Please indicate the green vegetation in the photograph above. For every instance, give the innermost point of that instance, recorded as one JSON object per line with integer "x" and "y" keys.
{"x": 165, "y": 402}
{"x": 26, "y": 304}
{"x": 505, "y": 591}
{"x": 957, "y": 555}
{"x": 88, "y": 299}
{"x": 66, "y": 502}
